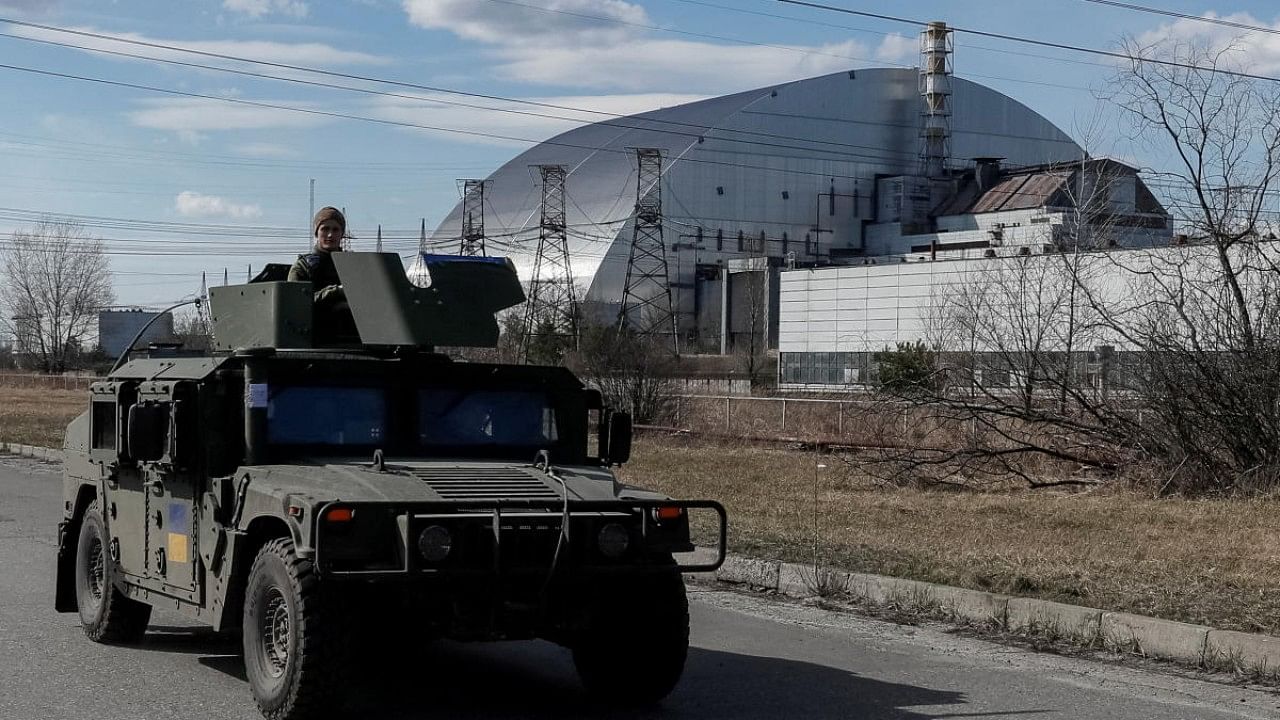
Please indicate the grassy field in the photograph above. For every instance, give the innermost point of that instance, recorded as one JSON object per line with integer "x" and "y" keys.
{"x": 1215, "y": 562}
{"x": 38, "y": 416}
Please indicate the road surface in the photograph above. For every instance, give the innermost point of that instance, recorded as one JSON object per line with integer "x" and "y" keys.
{"x": 750, "y": 658}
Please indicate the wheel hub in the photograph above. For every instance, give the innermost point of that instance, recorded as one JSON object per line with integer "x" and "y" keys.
{"x": 275, "y": 632}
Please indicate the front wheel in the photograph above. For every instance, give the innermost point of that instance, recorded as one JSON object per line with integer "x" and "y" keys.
{"x": 294, "y": 643}
{"x": 633, "y": 646}
{"x": 106, "y": 614}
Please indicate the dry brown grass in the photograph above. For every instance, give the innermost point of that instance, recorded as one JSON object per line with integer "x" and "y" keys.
{"x": 38, "y": 416}
{"x": 1213, "y": 562}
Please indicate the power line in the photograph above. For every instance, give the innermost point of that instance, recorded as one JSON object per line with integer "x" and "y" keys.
{"x": 1040, "y": 43}
{"x": 414, "y": 98}
{"x": 821, "y": 23}
{"x": 1186, "y": 16}
{"x": 700, "y": 129}
{"x": 429, "y": 88}
{"x": 419, "y": 126}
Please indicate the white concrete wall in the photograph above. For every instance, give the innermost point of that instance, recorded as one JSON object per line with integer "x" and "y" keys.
{"x": 866, "y": 308}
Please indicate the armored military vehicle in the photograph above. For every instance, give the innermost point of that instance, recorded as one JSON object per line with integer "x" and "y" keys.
{"x": 324, "y": 476}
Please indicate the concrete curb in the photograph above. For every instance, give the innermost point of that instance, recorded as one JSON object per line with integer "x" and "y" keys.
{"x": 32, "y": 451}
{"x": 1197, "y": 645}
{"x": 1151, "y": 637}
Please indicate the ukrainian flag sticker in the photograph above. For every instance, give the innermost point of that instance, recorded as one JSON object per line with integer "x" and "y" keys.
{"x": 178, "y": 548}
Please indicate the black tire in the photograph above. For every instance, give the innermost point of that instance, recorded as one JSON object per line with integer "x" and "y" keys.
{"x": 106, "y": 614}
{"x": 294, "y": 638}
{"x": 634, "y": 644}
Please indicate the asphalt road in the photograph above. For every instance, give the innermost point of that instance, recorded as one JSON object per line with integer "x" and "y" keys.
{"x": 751, "y": 658}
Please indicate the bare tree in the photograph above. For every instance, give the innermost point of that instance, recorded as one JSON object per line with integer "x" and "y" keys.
{"x": 1171, "y": 356}
{"x": 632, "y": 371}
{"x": 1209, "y": 324}
{"x": 53, "y": 281}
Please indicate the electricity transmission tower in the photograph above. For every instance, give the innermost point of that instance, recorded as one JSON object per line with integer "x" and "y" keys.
{"x": 551, "y": 313}
{"x": 646, "y": 295}
{"x": 472, "y": 217}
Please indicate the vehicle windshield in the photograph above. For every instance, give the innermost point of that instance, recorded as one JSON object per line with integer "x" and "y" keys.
{"x": 326, "y": 416}
{"x": 446, "y": 418}
{"x": 452, "y": 417}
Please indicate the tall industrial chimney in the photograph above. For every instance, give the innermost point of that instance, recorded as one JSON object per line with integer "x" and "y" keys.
{"x": 935, "y": 91}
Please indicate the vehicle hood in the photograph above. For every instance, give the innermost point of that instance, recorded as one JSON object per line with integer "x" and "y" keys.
{"x": 435, "y": 480}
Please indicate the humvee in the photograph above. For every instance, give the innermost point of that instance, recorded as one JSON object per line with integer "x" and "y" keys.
{"x": 320, "y": 477}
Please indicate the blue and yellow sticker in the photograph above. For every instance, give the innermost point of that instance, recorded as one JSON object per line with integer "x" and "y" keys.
{"x": 179, "y": 529}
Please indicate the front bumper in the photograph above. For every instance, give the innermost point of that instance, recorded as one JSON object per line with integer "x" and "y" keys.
{"x": 510, "y": 539}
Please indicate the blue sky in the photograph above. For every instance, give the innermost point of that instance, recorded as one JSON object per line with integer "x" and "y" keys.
{"x": 218, "y": 177}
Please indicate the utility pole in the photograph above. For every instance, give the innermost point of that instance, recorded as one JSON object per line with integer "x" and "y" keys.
{"x": 552, "y": 309}
{"x": 472, "y": 217}
{"x": 646, "y": 295}
{"x": 378, "y": 246}
{"x": 310, "y": 235}
{"x": 422, "y": 239}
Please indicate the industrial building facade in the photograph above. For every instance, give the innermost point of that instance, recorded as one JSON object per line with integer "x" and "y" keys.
{"x": 794, "y": 174}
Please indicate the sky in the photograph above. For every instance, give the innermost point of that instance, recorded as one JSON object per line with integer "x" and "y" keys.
{"x": 187, "y": 163}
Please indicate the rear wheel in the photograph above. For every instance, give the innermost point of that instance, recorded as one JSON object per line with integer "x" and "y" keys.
{"x": 106, "y": 614}
{"x": 294, "y": 641}
{"x": 633, "y": 647}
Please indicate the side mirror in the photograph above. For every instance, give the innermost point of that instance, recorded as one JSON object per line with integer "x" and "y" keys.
{"x": 148, "y": 429}
{"x": 619, "y": 438}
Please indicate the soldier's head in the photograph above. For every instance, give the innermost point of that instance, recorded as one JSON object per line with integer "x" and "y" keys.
{"x": 328, "y": 227}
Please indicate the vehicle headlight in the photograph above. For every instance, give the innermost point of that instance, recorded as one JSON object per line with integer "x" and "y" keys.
{"x": 434, "y": 543}
{"x": 613, "y": 540}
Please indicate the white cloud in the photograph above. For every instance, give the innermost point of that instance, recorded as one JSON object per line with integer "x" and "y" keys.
{"x": 896, "y": 49}
{"x": 191, "y": 137}
{"x": 187, "y": 115}
{"x": 430, "y": 110}
{"x": 590, "y": 22}
{"x": 649, "y": 64}
{"x": 597, "y": 44}
{"x": 193, "y": 204}
{"x": 1259, "y": 51}
{"x": 258, "y": 8}
{"x": 310, "y": 53}
{"x": 263, "y": 150}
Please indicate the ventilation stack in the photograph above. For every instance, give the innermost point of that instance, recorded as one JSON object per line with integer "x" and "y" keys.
{"x": 935, "y": 91}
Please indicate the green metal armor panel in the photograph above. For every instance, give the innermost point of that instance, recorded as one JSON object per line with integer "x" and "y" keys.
{"x": 457, "y": 309}
{"x": 261, "y": 315}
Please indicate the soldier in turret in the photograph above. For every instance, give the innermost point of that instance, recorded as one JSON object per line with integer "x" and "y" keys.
{"x": 328, "y": 228}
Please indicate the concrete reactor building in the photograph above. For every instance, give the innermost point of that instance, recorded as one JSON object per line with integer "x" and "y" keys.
{"x": 848, "y": 169}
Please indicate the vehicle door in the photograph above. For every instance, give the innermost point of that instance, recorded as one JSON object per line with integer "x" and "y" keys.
{"x": 168, "y": 415}
{"x": 123, "y": 503}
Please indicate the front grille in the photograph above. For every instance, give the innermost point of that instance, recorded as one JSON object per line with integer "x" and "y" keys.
{"x": 486, "y": 484}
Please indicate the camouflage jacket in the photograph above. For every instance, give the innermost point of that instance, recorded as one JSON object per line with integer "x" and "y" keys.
{"x": 317, "y": 268}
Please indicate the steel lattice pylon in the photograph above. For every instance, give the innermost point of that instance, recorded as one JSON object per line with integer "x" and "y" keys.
{"x": 472, "y": 218}
{"x": 646, "y": 295}
{"x": 551, "y": 313}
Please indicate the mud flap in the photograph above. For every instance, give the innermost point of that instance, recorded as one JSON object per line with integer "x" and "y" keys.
{"x": 64, "y": 594}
